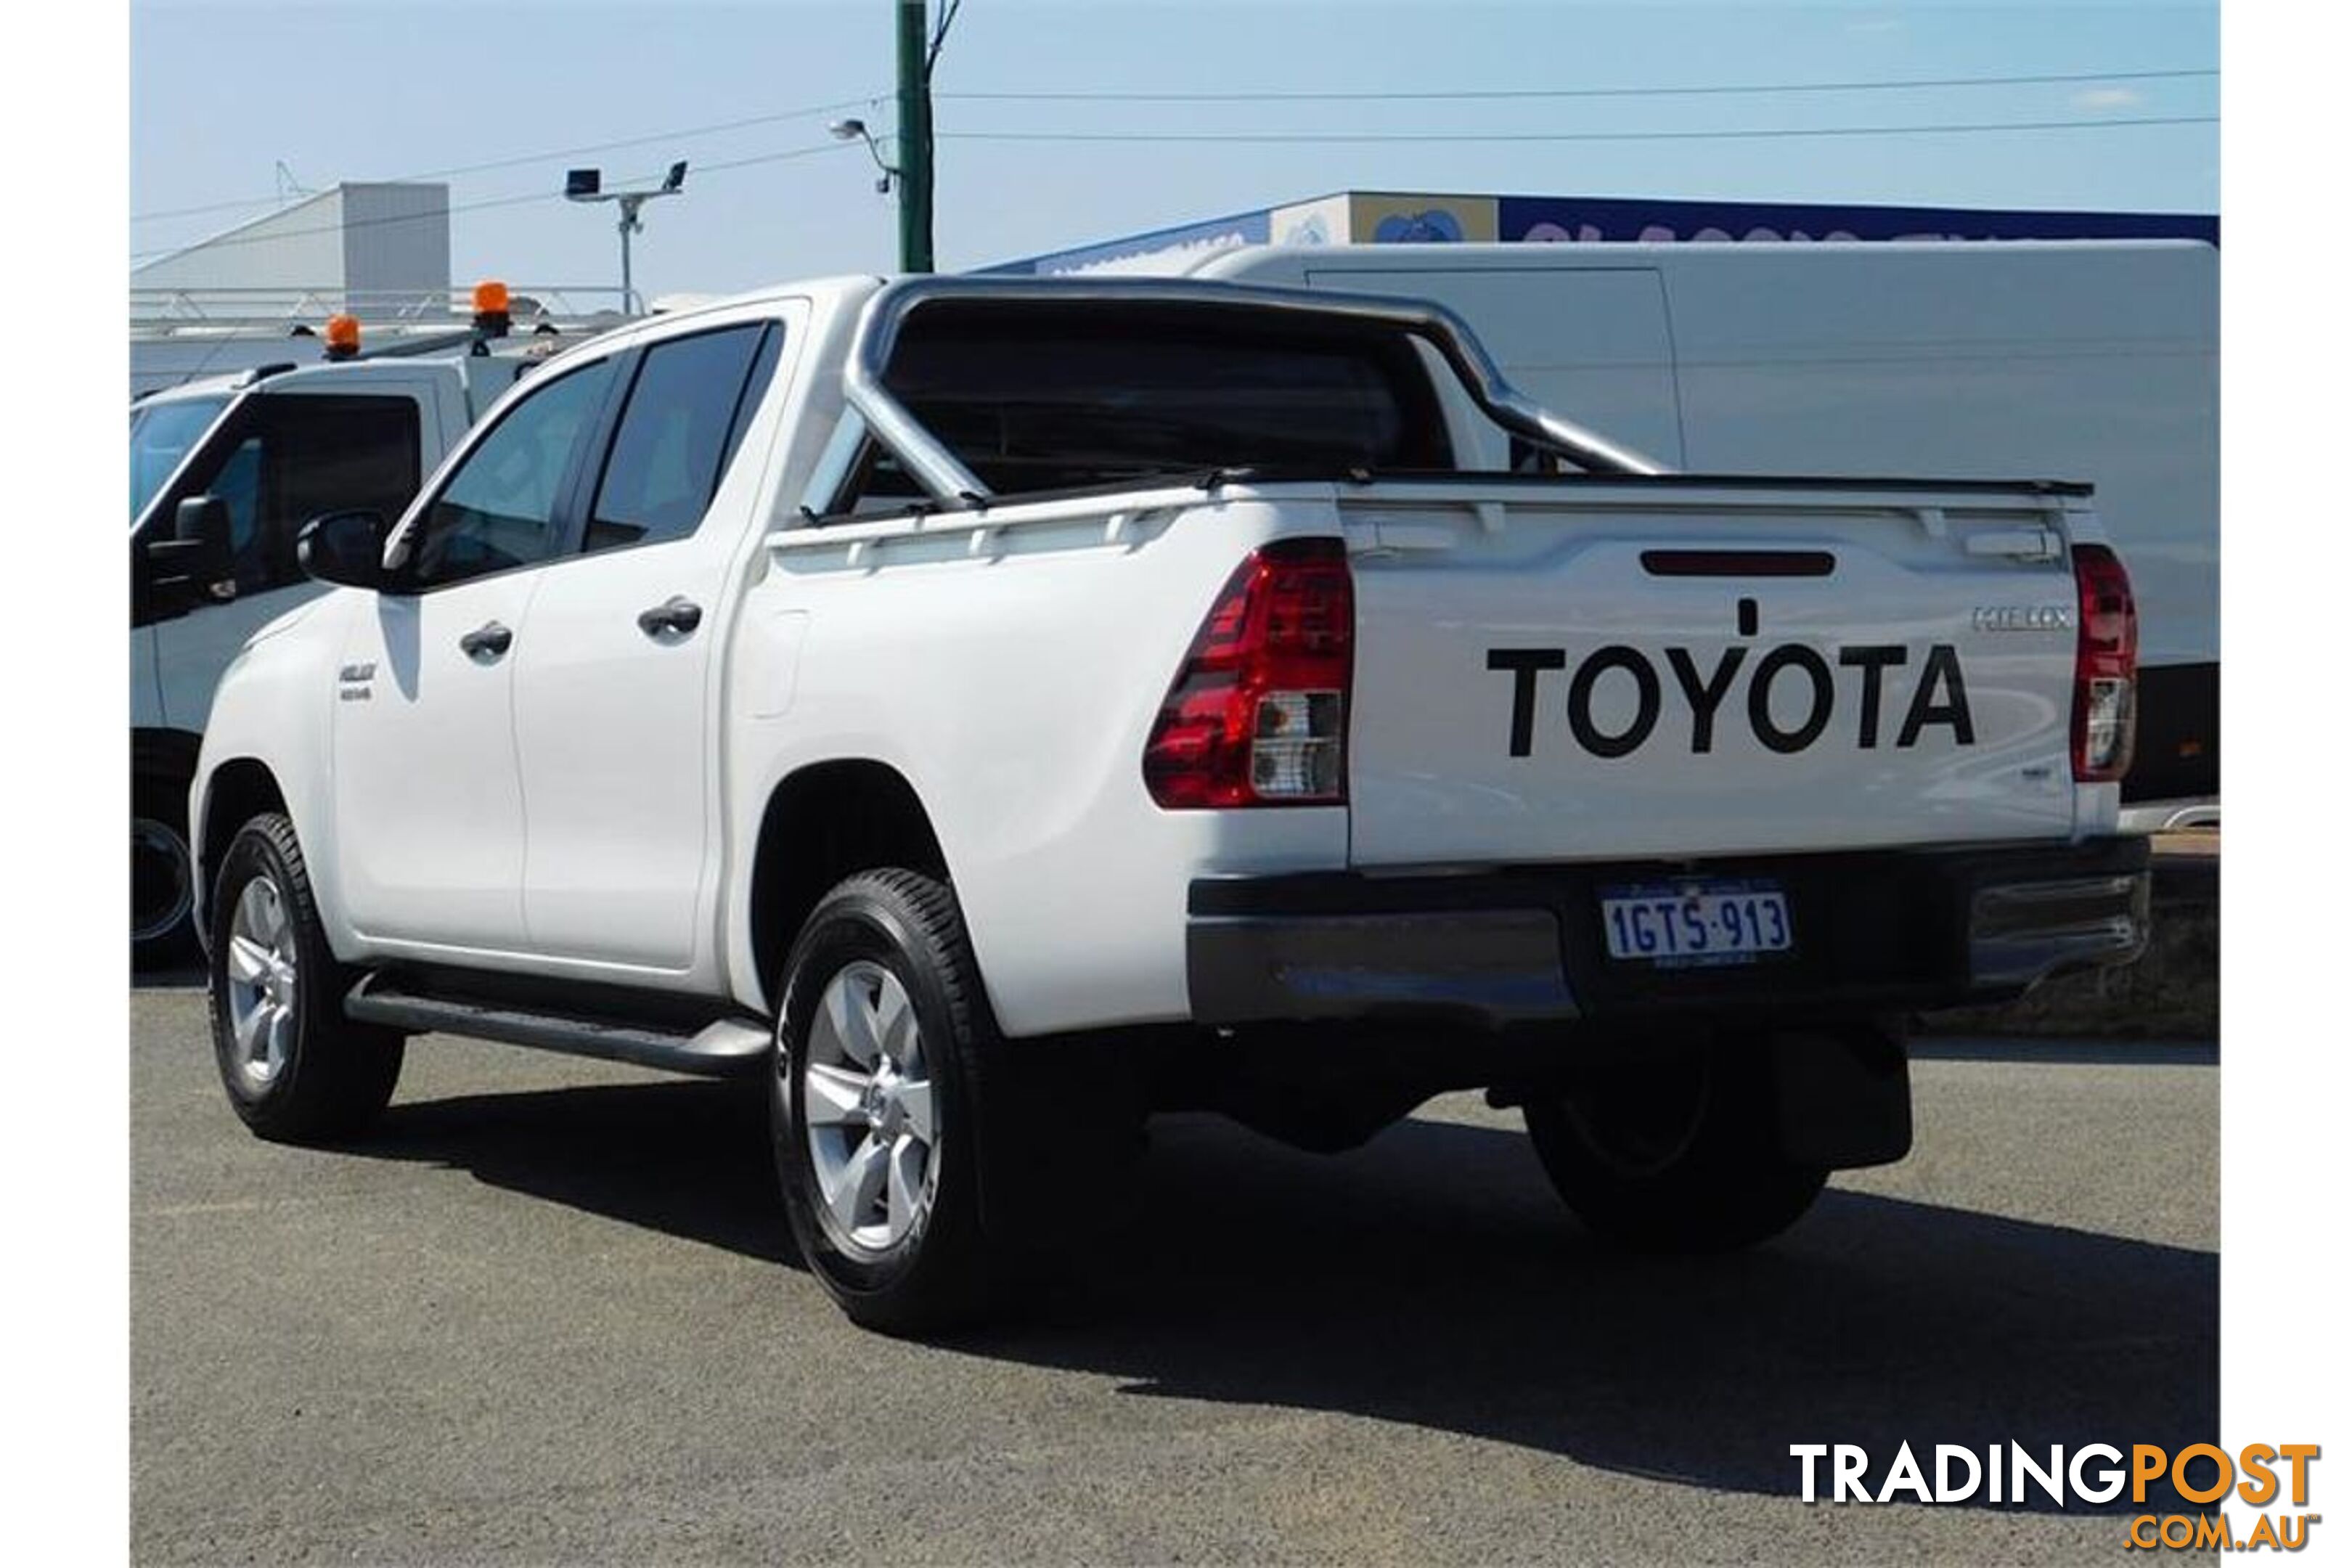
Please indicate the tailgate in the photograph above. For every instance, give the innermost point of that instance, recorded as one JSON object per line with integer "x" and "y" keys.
{"x": 1643, "y": 668}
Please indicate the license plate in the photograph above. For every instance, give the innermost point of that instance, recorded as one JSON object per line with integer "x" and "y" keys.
{"x": 1689, "y": 923}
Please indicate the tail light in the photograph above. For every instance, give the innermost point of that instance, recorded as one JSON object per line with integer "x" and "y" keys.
{"x": 2106, "y": 666}
{"x": 1259, "y": 713}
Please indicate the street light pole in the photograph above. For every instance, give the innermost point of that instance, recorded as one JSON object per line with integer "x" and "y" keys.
{"x": 914, "y": 170}
{"x": 629, "y": 226}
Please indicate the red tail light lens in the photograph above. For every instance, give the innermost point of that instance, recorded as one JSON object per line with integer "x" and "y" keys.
{"x": 1259, "y": 713}
{"x": 2106, "y": 666}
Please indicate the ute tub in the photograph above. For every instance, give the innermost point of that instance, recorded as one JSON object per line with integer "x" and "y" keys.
{"x": 1874, "y": 931}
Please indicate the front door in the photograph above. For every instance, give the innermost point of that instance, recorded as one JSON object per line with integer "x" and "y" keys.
{"x": 427, "y": 794}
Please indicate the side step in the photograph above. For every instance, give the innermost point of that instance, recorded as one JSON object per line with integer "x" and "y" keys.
{"x": 732, "y": 1047}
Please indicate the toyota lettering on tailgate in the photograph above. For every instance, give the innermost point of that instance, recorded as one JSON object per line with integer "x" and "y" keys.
{"x": 1705, "y": 695}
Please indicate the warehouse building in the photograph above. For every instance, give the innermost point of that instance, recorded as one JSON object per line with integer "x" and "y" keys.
{"x": 1380, "y": 218}
{"x": 382, "y": 248}
{"x": 379, "y": 250}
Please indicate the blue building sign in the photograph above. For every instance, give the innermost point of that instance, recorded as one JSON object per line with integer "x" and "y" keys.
{"x": 1388, "y": 217}
{"x": 1612, "y": 219}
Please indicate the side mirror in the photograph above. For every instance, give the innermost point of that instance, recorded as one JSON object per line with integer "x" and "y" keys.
{"x": 198, "y": 552}
{"x": 343, "y": 547}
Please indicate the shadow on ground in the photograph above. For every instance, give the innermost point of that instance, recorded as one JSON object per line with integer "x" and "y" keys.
{"x": 1432, "y": 1279}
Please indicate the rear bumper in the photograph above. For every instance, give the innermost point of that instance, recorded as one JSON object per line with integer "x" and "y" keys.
{"x": 1875, "y": 931}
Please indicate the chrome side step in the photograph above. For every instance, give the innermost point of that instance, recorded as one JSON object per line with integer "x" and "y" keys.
{"x": 724, "y": 1048}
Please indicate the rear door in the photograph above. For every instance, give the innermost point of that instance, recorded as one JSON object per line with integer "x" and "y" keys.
{"x": 1630, "y": 672}
{"x": 1591, "y": 343}
{"x": 615, "y": 689}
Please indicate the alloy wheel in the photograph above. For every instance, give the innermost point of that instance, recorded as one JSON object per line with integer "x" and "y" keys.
{"x": 869, "y": 1109}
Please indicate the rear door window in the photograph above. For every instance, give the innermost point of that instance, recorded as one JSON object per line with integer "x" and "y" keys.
{"x": 684, "y": 418}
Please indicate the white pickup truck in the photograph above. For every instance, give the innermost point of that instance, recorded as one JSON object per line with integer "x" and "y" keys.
{"x": 993, "y": 709}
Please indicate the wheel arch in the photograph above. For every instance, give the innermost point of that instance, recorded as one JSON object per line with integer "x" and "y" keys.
{"x": 824, "y": 822}
{"x": 235, "y": 793}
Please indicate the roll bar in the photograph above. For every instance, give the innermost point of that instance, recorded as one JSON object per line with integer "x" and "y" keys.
{"x": 954, "y": 486}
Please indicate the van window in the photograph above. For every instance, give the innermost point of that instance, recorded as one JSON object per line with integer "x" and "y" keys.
{"x": 1052, "y": 395}
{"x": 684, "y": 417}
{"x": 161, "y": 437}
{"x": 284, "y": 459}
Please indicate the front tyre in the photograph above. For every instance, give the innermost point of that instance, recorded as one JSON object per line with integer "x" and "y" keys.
{"x": 296, "y": 1069}
{"x": 1676, "y": 1153}
{"x": 882, "y": 1037}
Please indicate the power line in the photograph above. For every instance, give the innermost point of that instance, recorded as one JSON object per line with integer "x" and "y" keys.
{"x": 1755, "y": 133}
{"x": 811, "y": 112}
{"x": 1358, "y": 96}
{"x": 940, "y": 36}
{"x": 1369, "y": 96}
{"x": 517, "y": 199}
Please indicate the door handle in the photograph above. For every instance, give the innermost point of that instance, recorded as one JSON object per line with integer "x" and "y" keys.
{"x": 487, "y": 642}
{"x": 675, "y": 613}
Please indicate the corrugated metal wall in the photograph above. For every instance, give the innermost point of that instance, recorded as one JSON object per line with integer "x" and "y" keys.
{"x": 375, "y": 245}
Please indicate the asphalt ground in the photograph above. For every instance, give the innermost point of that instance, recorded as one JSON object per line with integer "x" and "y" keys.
{"x": 549, "y": 1313}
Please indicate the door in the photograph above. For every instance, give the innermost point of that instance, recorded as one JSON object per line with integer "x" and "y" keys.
{"x": 1591, "y": 343}
{"x": 279, "y": 461}
{"x": 429, "y": 806}
{"x": 614, "y": 692}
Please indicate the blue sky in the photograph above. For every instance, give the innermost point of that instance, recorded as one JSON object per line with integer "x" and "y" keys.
{"x": 221, "y": 92}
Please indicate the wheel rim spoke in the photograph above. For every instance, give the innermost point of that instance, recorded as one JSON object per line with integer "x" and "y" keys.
{"x": 251, "y": 1024}
{"x": 915, "y": 1100}
{"x": 269, "y": 914}
{"x": 276, "y": 1037}
{"x": 851, "y": 1017}
{"x": 906, "y": 1162}
{"x": 249, "y": 961}
{"x": 836, "y": 1096}
{"x": 894, "y": 1019}
{"x": 859, "y": 1184}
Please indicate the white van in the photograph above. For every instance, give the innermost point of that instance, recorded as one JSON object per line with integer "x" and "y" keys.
{"x": 271, "y": 447}
{"x": 2093, "y": 360}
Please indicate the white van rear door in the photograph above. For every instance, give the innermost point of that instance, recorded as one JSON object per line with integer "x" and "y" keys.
{"x": 1591, "y": 343}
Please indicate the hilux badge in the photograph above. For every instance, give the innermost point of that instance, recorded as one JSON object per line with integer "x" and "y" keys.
{"x": 2021, "y": 617}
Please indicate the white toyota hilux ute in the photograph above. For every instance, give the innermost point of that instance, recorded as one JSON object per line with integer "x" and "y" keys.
{"x": 990, "y": 710}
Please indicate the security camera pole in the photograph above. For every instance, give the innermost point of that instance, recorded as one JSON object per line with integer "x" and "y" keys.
{"x": 587, "y": 186}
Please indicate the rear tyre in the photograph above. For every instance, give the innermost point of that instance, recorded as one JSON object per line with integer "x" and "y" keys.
{"x": 296, "y": 1069}
{"x": 1676, "y": 1154}
{"x": 883, "y": 1041}
{"x": 163, "y": 875}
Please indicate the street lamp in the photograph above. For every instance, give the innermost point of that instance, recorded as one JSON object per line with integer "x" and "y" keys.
{"x": 855, "y": 130}
{"x": 587, "y": 186}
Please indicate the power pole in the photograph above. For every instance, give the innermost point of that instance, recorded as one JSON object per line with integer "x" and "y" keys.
{"x": 914, "y": 169}
{"x": 913, "y": 137}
